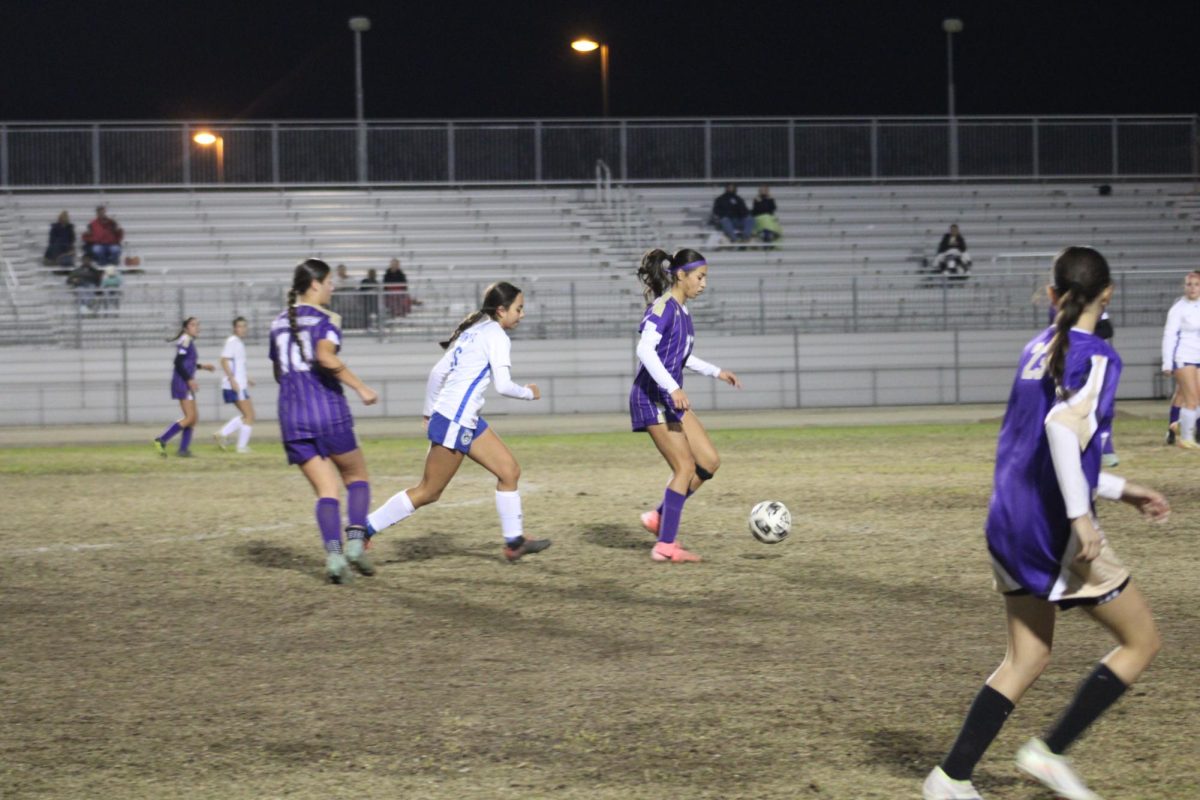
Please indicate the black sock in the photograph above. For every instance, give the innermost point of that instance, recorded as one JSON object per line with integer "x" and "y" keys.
{"x": 1097, "y": 692}
{"x": 983, "y": 722}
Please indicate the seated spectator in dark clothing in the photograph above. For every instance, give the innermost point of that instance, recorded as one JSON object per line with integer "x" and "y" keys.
{"x": 60, "y": 250}
{"x": 103, "y": 238}
{"x": 84, "y": 279}
{"x": 766, "y": 224}
{"x": 395, "y": 285}
{"x": 952, "y": 256}
{"x": 731, "y": 214}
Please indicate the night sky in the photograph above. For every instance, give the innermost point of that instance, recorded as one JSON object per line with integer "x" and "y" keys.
{"x": 265, "y": 59}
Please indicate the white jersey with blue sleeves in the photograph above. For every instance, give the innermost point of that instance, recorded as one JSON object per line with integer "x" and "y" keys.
{"x": 481, "y": 354}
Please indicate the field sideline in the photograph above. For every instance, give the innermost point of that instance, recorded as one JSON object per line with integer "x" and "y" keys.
{"x": 166, "y": 632}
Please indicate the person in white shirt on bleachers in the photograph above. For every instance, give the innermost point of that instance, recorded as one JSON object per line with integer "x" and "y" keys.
{"x": 235, "y": 388}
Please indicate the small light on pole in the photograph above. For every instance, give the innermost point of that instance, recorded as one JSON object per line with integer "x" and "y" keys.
{"x": 360, "y": 25}
{"x": 208, "y": 139}
{"x": 951, "y": 26}
{"x": 585, "y": 45}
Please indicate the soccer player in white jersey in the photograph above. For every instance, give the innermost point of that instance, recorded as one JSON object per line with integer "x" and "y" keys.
{"x": 235, "y": 387}
{"x": 477, "y": 353}
{"x": 1048, "y": 551}
{"x": 657, "y": 402}
{"x": 1181, "y": 357}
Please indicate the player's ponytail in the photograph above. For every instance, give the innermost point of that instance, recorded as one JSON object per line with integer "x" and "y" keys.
{"x": 182, "y": 329}
{"x": 659, "y": 271}
{"x": 501, "y": 294}
{"x": 307, "y": 272}
{"x": 1080, "y": 275}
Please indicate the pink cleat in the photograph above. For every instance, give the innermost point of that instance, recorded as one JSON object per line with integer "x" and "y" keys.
{"x": 671, "y": 551}
{"x": 650, "y": 521}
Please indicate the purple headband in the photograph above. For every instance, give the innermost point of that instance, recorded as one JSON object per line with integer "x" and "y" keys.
{"x": 691, "y": 266}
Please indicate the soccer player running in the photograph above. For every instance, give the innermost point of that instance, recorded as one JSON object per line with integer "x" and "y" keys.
{"x": 657, "y": 402}
{"x": 235, "y": 388}
{"x": 184, "y": 388}
{"x": 477, "y": 353}
{"x": 1181, "y": 358}
{"x": 1047, "y": 549}
{"x": 314, "y": 417}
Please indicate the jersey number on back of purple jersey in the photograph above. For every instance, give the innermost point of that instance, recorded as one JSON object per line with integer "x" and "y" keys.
{"x": 296, "y": 359}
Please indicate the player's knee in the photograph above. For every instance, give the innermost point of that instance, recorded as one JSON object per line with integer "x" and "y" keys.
{"x": 685, "y": 467}
{"x": 706, "y": 474}
{"x": 248, "y": 418}
{"x": 1032, "y": 664}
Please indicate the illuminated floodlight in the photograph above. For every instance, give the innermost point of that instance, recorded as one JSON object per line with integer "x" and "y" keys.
{"x": 205, "y": 138}
{"x": 585, "y": 45}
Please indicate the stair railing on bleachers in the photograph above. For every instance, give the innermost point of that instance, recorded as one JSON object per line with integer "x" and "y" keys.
{"x": 604, "y": 196}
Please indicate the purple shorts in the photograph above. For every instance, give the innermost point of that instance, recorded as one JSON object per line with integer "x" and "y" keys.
{"x": 651, "y": 407}
{"x": 329, "y": 444}
{"x": 180, "y": 390}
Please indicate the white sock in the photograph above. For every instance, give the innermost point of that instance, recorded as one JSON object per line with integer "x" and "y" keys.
{"x": 244, "y": 436}
{"x": 232, "y": 426}
{"x": 398, "y": 507}
{"x": 1187, "y": 424}
{"x": 508, "y": 506}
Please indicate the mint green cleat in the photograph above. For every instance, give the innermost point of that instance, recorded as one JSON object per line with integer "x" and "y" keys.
{"x": 337, "y": 569}
{"x": 359, "y": 557}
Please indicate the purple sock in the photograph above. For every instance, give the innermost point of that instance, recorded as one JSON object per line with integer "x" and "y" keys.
{"x": 329, "y": 519}
{"x": 660, "y": 505}
{"x": 170, "y": 432}
{"x": 1174, "y": 414}
{"x": 668, "y": 526}
{"x": 185, "y": 441}
{"x": 358, "y": 503}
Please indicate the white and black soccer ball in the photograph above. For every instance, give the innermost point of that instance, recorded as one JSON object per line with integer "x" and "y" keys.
{"x": 770, "y": 522}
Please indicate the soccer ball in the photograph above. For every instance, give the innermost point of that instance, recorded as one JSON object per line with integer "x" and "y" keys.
{"x": 770, "y": 522}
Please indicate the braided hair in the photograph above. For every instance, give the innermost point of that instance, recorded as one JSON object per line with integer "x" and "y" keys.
{"x": 659, "y": 270}
{"x": 501, "y": 294}
{"x": 1081, "y": 274}
{"x": 307, "y": 272}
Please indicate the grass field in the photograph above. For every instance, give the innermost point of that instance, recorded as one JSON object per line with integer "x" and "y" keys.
{"x": 165, "y": 631}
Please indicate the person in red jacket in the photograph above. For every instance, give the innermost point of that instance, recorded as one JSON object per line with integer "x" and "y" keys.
{"x": 103, "y": 238}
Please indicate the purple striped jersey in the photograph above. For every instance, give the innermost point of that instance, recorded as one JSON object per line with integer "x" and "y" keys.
{"x": 311, "y": 402}
{"x": 184, "y": 346}
{"x": 674, "y": 324}
{"x": 1027, "y": 525}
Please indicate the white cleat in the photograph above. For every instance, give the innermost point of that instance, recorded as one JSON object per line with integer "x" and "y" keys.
{"x": 940, "y": 786}
{"x": 220, "y": 441}
{"x": 244, "y": 450}
{"x": 1053, "y": 771}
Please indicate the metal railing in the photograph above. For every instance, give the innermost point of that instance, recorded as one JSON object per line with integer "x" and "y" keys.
{"x": 298, "y": 153}
{"x": 571, "y": 306}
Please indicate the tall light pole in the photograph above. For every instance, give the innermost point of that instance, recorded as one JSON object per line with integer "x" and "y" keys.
{"x": 951, "y": 26}
{"x": 360, "y": 25}
{"x": 586, "y": 45}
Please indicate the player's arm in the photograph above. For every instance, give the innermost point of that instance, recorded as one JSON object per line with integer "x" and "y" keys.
{"x": 327, "y": 358}
{"x": 227, "y": 368}
{"x": 436, "y": 380}
{"x": 1171, "y": 337}
{"x": 647, "y": 353}
{"x": 499, "y": 351}
{"x": 712, "y": 371}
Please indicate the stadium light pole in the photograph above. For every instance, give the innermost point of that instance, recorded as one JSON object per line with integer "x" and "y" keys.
{"x": 951, "y": 26}
{"x": 208, "y": 139}
{"x": 585, "y": 45}
{"x": 360, "y": 25}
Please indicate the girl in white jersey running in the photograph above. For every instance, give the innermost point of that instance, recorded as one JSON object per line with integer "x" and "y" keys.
{"x": 476, "y": 353}
{"x": 235, "y": 389}
{"x": 1181, "y": 357}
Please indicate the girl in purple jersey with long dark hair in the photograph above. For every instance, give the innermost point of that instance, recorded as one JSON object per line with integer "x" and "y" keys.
{"x": 184, "y": 388}
{"x": 657, "y": 402}
{"x": 314, "y": 418}
{"x": 1046, "y": 547}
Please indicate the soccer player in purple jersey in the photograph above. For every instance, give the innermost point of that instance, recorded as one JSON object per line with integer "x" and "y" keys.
{"x": 183, "y": 388}
{"x": 1047, "y": 549}
{"x": 657, "y": 402}
{"x": 477, "y": 353}
{"x": 314, "y": 417}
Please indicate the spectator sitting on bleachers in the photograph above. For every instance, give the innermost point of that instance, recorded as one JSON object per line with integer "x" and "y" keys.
{"x": 60, "y": 250}
{"x": 110, "y": 289}
{"x": 731, "y": 214}
{"x": 84, "y": 279}
{"x": 395, "y": 283}
{"x": 952, "y": 256}
{"x": 766, "y": 224}
{"x": 103, "y": 238}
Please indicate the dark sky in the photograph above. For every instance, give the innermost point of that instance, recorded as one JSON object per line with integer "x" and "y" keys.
{"x": 263, "y": 59}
